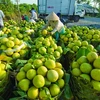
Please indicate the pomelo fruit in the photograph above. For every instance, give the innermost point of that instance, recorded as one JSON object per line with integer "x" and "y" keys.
{"x": 52, "y": 75}
{"x": 91, "y": 56}
{"x": 59, "y": 65}
{"x": 61, "y": 83}
{"x": 59, "y": 48}
{"x": 16, "y": 55}
{"x": 54, "y": 90}
{"x": 95, "y": 74}
{"x": 44, "y": 93}
{"x": 42, "y": 50}
{"x": 27, "y": 66}
{"x": 96, "y": 63}
{"x": 10, "y": 44}
{"x": 42, "y": 70}
{"x": 37, "y": 63}
{"x": 82, "y": 59}
{"x": 3, "y": 74}
{"x": 60, "y": 72}
{"x": 38, "y": 81}
{"x": 2, "y": 66}
{"x": 20, "y": 75}
{"x": 30, "y": 74}
{"x": 96, "y": 85}
{"x": 75, "y": 64}
{"x": 50, "y": 64}
{"x": 56, "y": 54}
{"x": 47, "y": 82}
{"x": 32, "y": 93}
{"x": 76, "y": 71}
{"x": 24, "y": 84}
{"x": 86, "y": 68}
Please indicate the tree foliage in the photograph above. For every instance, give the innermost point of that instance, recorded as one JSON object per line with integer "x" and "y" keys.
{"x": 11, "y": 10}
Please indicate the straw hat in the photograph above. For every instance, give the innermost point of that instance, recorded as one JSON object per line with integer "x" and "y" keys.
{"x": 52, "y": 16}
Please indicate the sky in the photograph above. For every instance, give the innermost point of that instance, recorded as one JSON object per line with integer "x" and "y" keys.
{"x": 26, "y": 1}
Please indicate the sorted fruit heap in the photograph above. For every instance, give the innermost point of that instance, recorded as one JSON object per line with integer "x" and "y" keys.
{"x": 88, "y": 68}
{"x": 46, "y": 47}
{"x": 13, "y": 47}
{"x": 88, "y": 34}
{"x": 43, "y": 74}
{"x": 42, "y": 80}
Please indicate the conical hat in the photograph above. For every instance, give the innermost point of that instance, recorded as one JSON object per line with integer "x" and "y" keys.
{"x": 52, "y": 16}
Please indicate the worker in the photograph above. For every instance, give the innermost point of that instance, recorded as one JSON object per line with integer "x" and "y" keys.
{"x": 58, "y": 27}
{"x": 1, "y": 19}
{"x": 26, "y": 18}
{"x": 33, "y": 14}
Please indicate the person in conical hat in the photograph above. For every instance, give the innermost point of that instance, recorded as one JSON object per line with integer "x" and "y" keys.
{"x": 58, "y": 27}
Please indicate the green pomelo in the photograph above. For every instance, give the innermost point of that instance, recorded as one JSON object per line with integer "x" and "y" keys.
{"x": 96, "y": 63}
{"x": 42, "y": 50}
{"x": 50, "y": 64}
{"x": 32, "y": 93}
{"x": 91, "y": 56}
{"x": 37, "y": 63}
{"x": 44, "y": 93}
{"x": 76, "y": 72}
{"x": 75, "y": 64}
{"x": 3, "y": 74}
{"x": 52, "y": 75}
{"x": 95, "y": 74}
{"x": 86, "y": 68}
{"x": 61, "y": 83}
{"x": 24, "y": 84}
{"x": 82, "y": 59}
{"x": 60, "y": 72}
{"x": 27, "y": 66}
{"x": 30, "y": 74}
{"x": 96, "y": 85}
{"x": 54, "y": 90}
{"x": 38, "y": 81}
{"x": 20, "y": 75}
{"x": 42, "y": 70}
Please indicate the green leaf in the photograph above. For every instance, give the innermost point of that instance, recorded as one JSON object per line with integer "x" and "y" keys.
{"x": 21, "y": 93}
{"x": 65, "y": 50}
{"x": 81, "y": 52}
{"x": 16, "y": 98}
{"x": 20, "y": 62}
{"x": 8, "y": 66}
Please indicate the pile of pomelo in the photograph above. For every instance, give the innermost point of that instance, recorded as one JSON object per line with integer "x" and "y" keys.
{"x": 88, "y": 68}
{"x": 43, "y": 73}
{"x": 42, "y": 76}
{"x": 41, "y": 80}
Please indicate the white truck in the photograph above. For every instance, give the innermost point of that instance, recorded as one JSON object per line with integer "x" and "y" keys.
{"x": 67, "y": 8}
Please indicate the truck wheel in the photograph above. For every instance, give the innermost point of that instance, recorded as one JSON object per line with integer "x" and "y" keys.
{"x": 76, "y": 18}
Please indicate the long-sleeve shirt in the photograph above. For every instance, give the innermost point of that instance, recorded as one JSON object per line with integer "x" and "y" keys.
{"x": 1, "y": 17}
{"x": 34, "y": 14}
{"x": 56, "y": 25}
